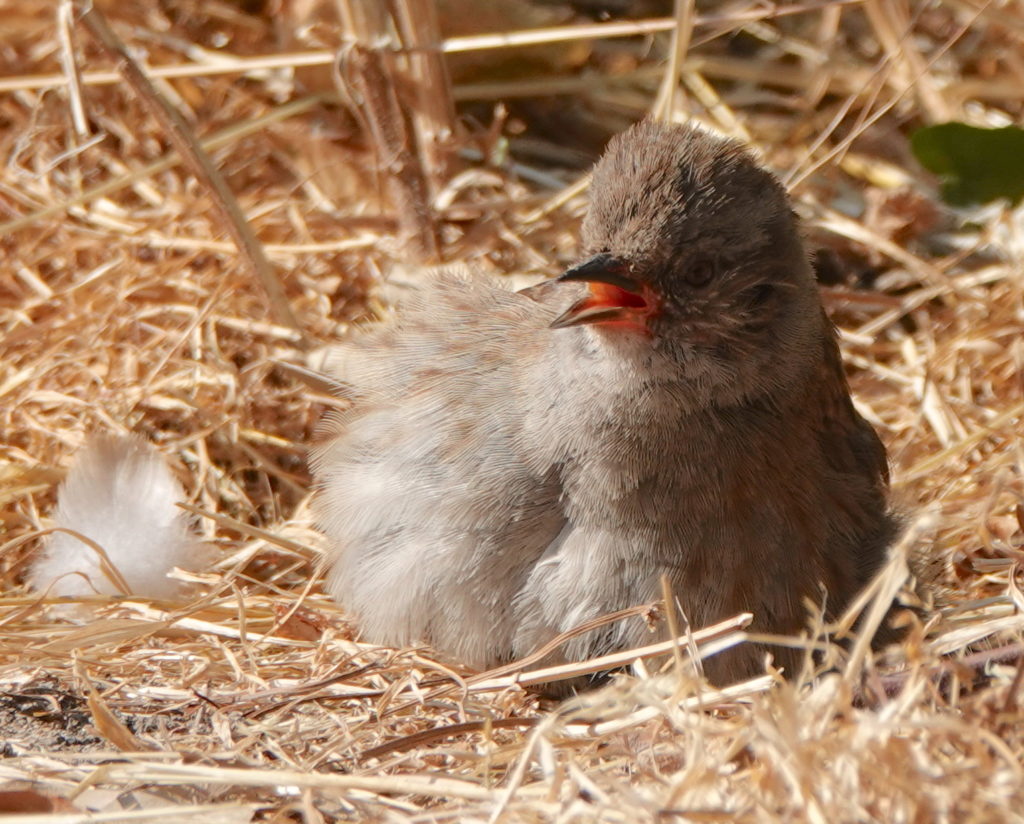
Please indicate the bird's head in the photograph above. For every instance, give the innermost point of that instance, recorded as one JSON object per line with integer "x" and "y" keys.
{"x": 693, "y": 253}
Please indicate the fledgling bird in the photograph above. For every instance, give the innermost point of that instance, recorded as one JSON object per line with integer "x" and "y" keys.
{"x": 515, "y": 464}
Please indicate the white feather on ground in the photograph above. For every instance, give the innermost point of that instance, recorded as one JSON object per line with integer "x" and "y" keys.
{"x": 121, "y": 495}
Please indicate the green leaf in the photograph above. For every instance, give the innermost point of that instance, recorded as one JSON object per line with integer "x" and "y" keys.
{"x": 976, "y": 165}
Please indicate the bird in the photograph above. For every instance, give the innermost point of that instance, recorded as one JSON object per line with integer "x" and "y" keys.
{"x": 674, "y": 404}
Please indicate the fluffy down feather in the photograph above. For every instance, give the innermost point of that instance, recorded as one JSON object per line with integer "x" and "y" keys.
{"x": 121, "y": 495}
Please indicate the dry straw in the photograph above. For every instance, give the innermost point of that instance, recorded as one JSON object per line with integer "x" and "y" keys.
{"x": 125, "y": 306}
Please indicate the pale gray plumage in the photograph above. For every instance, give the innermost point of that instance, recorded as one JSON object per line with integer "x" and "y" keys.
{"x": 498, "y": 481}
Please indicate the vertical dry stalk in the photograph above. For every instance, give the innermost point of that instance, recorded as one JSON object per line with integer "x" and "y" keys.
{"x": 363, "y": 78}
{"x": 408, "y": 138}
{"x": 364, "y": 20}
{"x": 433, "y": 112}
{"x": 664, "y": 104}
{"x": 65, "y": 24}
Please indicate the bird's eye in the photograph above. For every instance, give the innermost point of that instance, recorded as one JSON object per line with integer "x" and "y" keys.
{"x": 699, "y": 272}
{"x": 761, "y": 294}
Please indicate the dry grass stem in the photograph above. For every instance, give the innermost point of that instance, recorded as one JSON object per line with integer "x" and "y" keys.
{"x": 433, "y": 111}
{"x": 365, "y": 81}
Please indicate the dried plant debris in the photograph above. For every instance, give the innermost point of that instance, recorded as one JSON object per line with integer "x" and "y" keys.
{"x": 126, "y": 307}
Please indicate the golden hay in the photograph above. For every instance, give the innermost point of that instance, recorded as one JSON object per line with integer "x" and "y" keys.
{"x": 124, "y": 306}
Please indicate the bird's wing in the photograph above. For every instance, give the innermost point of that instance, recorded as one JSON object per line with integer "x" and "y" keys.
{"x": 856, "y": 477}
{"x": 435, "y": 514}
{"x": 856, "y": 447}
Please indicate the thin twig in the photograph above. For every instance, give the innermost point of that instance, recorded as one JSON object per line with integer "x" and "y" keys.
{"x": 664, "y": 104}
{"x": 65, "y": 19}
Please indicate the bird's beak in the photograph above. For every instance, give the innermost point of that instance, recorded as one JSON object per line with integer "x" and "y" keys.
{"x": 614, "y": 294}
